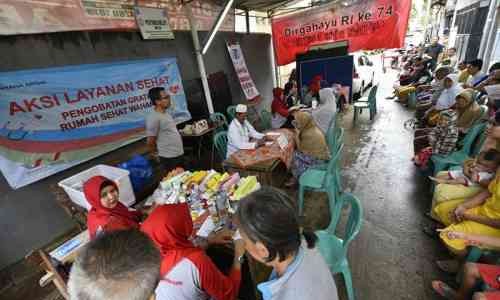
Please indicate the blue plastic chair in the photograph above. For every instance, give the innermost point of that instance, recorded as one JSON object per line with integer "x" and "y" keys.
{"x": 334, "y": 248}
{"x": 442, "y": 163}
{"x": 220, "y": 143}
{"x": 412, "y": 100}
{"x": 320, "y": 180}
{"x": 231, "y": 112}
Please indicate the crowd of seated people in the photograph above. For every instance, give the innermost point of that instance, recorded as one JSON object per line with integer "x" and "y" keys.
{"x": 457, "y": 145}
{"x": 156, "y": 255}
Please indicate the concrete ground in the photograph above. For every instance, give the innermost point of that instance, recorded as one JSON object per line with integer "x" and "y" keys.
{"x": 391, "y": 258}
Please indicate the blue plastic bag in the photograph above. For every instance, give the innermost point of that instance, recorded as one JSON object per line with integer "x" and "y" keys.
{"x": 140, "y": 170}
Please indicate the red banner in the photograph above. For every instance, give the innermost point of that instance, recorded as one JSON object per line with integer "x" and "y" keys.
{"x": 38, "y": 16}
{"x": 367, "y": 24}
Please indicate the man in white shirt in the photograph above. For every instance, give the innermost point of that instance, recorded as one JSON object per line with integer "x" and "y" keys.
{"x": 241, "y": 134}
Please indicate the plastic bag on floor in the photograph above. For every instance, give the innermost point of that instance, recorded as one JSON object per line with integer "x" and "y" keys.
{"x": 140, "y": 171}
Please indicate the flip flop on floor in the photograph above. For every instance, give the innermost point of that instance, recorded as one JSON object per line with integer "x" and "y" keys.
{"x": 430, "y": 231}
{"x": 448, "y": 266}
{"x": 428, "y": 215}
{"x": 444, "y": 290}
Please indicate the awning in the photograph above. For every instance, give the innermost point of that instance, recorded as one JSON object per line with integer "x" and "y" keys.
{"x": 257, "y": 5}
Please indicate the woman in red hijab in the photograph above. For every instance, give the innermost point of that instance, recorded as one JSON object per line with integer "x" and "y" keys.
{"x": 107, "y": 213}
{"x": 281, "y": 117}
{"x": 186, "y": 271}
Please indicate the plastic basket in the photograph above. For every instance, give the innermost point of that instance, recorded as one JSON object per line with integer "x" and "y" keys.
{"x": 73, "y": 185}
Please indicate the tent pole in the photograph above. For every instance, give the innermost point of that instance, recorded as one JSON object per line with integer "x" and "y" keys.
{"x": 199, "y": 57}
{"x": 247, "y": 19}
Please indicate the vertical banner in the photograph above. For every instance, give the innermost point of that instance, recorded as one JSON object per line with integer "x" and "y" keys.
{"x": 53, "y": 119}
{"x": 367, "y": 24}
{"x": 240, "y": 67}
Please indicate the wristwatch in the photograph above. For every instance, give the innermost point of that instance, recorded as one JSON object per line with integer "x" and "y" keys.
{"x": 241, "y": 258}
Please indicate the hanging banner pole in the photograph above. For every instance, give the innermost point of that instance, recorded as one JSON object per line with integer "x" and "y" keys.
{"x": 199, "y": 57}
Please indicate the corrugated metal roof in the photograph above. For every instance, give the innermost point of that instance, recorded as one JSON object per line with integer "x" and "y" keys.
{"x": 258, "y": 5}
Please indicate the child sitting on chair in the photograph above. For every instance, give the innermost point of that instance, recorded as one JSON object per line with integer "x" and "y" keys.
{"x": 442, "y": 139}
{"x": 480, "y": 173}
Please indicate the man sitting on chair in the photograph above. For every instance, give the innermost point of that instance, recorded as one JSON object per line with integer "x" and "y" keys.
{"x": 241, "y": 134}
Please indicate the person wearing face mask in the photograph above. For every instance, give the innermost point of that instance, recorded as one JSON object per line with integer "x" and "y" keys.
{"x": 269, "y": 225}
{"x": 107, "y": 213}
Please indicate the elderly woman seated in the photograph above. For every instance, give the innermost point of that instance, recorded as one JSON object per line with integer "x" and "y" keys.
{"x": 312, "y": 148}
{"x": 467, "y": 112}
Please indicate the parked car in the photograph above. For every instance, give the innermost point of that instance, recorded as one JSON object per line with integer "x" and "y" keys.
{"x": 364, "y": 73}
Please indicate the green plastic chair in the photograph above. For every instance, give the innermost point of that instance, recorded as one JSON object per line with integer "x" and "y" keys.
{"x": 231, "y": 112}
{"x": 412, "y": 100}
{"x": 442, "y": 163}
{"x": 220, "y": 142}
{"x": 265, "y": 119}
{"x": 371, "y": 105}
{"x": 320, "y": 180}
{"x": 219, "y": 120}
{"x": 372, "y": 93}
{"x": 334, "y": 248}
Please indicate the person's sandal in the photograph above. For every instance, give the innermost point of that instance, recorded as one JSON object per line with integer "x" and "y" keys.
{"x": 443, "y": 290}
{"x": 291, "y": 183}
{"x": 448, "y": 266}
{"x": 430, "y": 231}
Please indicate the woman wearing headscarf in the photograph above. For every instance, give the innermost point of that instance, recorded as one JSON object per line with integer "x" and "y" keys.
{"x": 428, "y": 94}
{"x": 186, "y": 271}
{"x": 446, "y": 99}
{"x": 312, "y": 93}
{"x": 281, "y": 117}
{"x": 448, "y": 95}
{"x": 312, "y": 148}
{"x": 468, "y": 110}
{"x": 107, "y": 213}
{"x": 326, "y": 110}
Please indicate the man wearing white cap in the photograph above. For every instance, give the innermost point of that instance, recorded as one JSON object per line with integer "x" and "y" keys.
{"x": 241, "y": 132}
